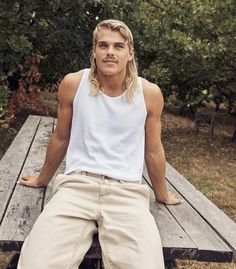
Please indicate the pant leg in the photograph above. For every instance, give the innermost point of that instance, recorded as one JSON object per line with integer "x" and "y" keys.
{"x": 64, "y": 231}
{"x": 127, "y": 231}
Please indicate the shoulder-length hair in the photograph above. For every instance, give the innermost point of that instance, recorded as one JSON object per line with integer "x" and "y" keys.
{"x": 131, "y": 82}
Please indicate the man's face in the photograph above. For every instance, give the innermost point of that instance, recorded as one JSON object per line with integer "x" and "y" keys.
{"x": 111, "y": 52}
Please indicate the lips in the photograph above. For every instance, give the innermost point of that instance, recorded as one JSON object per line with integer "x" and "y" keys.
{"x": 109, "y": 61}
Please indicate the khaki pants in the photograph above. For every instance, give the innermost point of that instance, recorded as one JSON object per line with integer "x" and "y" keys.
{"x": 82, "y": 206}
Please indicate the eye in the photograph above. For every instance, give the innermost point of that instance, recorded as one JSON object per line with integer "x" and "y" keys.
{"x": 119, "y": 46}
{"x": 102, "y": 45}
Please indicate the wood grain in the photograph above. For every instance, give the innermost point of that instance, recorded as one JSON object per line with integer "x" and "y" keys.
{"x": 209, "y": 244}
{"x": 12, "y": 162}
{"x": 216, "y": 218}
{"x": 26, "y": 203}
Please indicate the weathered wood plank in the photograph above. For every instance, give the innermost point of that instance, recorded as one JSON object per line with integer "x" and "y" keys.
{"x": 13, "y": 160}
{"x": 209, "y": 245}
{"x": 176, "y": 243}
{"x": 26, "y": 203}
{"x": 170, "y": 264}
{"x": 216, "y": 218}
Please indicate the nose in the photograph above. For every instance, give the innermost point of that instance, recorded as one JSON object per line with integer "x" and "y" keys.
{"x": 110, "y": 50}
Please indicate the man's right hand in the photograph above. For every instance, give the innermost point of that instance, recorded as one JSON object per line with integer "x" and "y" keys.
{"x": 31, "y": 181}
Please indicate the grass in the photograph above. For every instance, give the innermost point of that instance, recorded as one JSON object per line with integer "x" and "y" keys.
{"x": 209, "y": 165}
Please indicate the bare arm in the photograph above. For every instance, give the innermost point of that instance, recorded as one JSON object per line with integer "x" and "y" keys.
{"x": 154, "y": 151}
{"x": 59, "y": 141}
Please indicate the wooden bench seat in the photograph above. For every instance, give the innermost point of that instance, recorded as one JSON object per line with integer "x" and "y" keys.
{"x": 194, "y": 230}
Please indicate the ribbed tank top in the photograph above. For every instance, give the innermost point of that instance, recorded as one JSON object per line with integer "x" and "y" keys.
{"x": 107, "y": 133}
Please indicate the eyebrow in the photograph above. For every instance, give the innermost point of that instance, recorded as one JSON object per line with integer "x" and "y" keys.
{"x": 116, "y": 43}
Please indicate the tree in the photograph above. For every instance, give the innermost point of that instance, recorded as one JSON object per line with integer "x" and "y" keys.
{"x": 192, "y": 46}
{"x": 187, "y": 47}
{"x": 14, "y": 44}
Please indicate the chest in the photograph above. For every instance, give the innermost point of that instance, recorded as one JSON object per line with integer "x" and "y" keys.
{"x": 111, "y": 115}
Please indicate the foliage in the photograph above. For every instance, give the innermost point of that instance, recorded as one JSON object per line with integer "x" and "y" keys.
{"x": 187, "y": 47}
{"x": 14, "y": 34}
{"x": 194, "y": 43}
{"x": 3, "y": 97}
{"x": 28, "y": 94}
{"x": 14, "y": 44}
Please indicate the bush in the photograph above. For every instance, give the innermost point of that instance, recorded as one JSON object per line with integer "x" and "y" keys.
{"x": 3, "y": 96}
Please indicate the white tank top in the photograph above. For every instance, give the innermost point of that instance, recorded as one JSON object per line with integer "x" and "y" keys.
{"x": 107, "y": 134}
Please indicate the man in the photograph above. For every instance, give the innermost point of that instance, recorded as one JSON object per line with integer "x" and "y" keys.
{"x": 108, "y": 120}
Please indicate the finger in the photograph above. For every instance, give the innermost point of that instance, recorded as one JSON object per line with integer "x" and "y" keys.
{"x": 179, "y": 201}
{"x": 22, "y": 181}
{"x": 27, "y": 177}
{"x": 25, "y": 183}
{"x": 175, "y": 201}
{"x": 24, "y": 178}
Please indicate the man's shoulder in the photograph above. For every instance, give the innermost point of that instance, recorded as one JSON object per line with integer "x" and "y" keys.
{"x": 73, "y": 78}
{"x": 69, "y": 85}
{"x": 151, "y": 90}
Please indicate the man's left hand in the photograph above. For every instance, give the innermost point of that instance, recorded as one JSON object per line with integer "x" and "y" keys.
{"x": 170, "y": 200}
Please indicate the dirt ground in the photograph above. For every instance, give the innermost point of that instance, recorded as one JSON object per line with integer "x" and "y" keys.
{"x": 209, "y": 165}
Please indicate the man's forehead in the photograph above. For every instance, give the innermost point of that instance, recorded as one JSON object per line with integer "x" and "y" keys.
{"x": 106, "y": 34}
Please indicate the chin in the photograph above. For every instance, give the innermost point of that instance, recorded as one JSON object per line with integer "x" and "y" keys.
{"x": 109, "y": 71}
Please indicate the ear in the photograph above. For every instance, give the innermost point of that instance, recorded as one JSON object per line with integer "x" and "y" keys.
{"x": 93, "y": 51}
{"x": 131, "y": 53}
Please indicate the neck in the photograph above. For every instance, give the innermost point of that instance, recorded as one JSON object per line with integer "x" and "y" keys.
{"x": 112, "y": 85}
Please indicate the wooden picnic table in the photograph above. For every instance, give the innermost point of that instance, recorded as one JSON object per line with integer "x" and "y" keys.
{"x": 194, "y": 230}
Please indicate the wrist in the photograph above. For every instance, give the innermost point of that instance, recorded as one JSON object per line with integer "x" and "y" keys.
{"x": 162, "y": 198}
{"x": 42, "y": 182}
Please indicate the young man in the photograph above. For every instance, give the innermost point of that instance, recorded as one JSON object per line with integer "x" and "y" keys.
{"x": 108, "y": 121}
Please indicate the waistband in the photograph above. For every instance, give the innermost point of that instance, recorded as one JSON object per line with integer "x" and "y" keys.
{"x": 103, "y": 177}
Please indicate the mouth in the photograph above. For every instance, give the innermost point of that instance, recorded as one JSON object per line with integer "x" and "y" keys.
{"x": 110, "y": 61}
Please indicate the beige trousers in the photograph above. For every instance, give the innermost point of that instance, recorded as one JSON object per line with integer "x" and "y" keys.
{"x": 82, "y": 206}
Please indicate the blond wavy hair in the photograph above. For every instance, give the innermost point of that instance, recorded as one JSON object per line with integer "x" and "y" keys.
{"x": 131, "y": 82}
